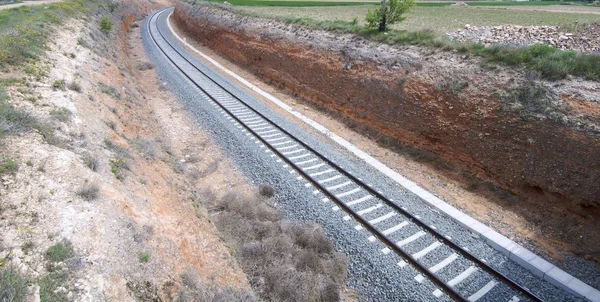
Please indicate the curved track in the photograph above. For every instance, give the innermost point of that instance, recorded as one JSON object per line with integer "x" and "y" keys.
{"x": 350, "y": 194}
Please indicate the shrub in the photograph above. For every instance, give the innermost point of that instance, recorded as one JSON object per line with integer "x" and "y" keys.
{"x": 266, "y": 190}
{"x": 144, "y": 257}
{"x": 394, "y": 9}
{"x": 62, "y": 114}
{"x": 74, "y": 86}
{"x": 106, "y": 24}
{"x": 89, "y": 191}
{"x": 60, "y": 251}
{"x": 91, "y": 162}
{"x": 194, "y": 290}
{"x": 49, "y": 284}
{"x": 8, "y": 166}
{"x": 109, "y": 90}
{"x": 58, "y": 84}
{"x": 288, "y": 262}
{"x": 13, "y": 286}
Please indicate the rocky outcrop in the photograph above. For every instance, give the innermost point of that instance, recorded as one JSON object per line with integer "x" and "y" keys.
{"x": 586, "y": 38}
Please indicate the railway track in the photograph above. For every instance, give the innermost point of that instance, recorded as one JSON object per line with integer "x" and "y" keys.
{"x": 433, "y": 254}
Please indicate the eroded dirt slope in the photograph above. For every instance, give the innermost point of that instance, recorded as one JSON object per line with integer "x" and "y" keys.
{"x": 529, "y": 145}
{"x": 112, "y": 186}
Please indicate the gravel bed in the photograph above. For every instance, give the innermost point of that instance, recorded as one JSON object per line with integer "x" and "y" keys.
{"x": 374, "y": 275}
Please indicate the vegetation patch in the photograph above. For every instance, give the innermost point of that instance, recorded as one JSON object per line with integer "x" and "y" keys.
{"x": 551, "y": 63}
{"x": 192, "y": 289}
{"x": 88, "y": 191}
{"x": 284, "y": 261}
{"x": 8, "y": 166}
{"x": 24, "y": 30}
{"x": 60, "y": 251}
{"x": 50, "y": 285}
{"x": 109, "y": 90}
{"x": 61, "y": 114}
{"x": 13, "y": 286}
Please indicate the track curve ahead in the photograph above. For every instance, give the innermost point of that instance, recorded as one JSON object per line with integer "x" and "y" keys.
{"x": 349, "y": 193}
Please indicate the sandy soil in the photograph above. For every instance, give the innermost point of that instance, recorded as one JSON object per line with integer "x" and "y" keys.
{"x": 171, "y": 163}
{"x": 28, "y": 3}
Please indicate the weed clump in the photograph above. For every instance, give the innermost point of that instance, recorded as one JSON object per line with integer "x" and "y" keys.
{"x": 287, "y": 261}
{"x": 13, "y": 286}
{"x": 74, "y": 86}
{"x": 144, "y": 257}
{"x": 91, "y": 162}
{"x": 109, "y": 90}
{"x": 60, "y": 251}
{"x": 106, "y": 24}
{"x": 8, "y": 166}
{"x": 266, "y": 191}
{"x": 192, "y": 289}
{"x": 88, "y": 191}
{"x": 61, "y": 114}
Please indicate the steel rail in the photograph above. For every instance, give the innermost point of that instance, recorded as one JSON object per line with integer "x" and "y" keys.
{"x": 449, "y": 290}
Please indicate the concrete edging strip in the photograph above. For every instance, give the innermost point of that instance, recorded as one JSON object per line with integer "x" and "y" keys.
{"x": 514, "y": 251}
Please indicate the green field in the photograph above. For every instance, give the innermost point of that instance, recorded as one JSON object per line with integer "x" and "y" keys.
{"x": 359, "y": 3}
{"x": 439, "y": 19}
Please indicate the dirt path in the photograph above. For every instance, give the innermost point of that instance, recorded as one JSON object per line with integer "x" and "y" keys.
{"x": 28, "y": 3}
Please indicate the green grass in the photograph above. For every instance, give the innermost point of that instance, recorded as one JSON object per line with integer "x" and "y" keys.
{"x": 439, "y": 19}
{"x": 8, "y": 166}
{"x": 59, "y": 252}
{"x": 49, "y": 284}
{"x": 13, "y": 286}
{"x": 23, "y": 30}
{"x": 144, "y": 257}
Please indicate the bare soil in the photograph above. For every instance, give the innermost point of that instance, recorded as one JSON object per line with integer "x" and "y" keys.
{"x": 515, "y": 174}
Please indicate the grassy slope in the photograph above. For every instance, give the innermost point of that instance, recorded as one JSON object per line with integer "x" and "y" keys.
{"x": 23, "y": 30}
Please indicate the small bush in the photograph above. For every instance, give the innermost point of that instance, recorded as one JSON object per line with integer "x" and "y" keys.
{"x": 144, "y": 257}
{"x": 74, "y": 86}
{"x": 8, "y": 166}
{"x": 145, "y": 66}
{"x": 91, "y": 162}
{"x": 288, "y": 262}
{"x": 109, "y": 90}
{"x": 59, "y": 252}
{"x": 13, "y": 286}
{"x": 106, "y": 24}
{"x": 266, "y": 191}
{"x": 89, "y": 191}
{"x": 49, "y": 284}
{"x": 13, "y": 120}
{"x": 193, "y": 290}
{"x": 116, "y": 167}
{"x": 61, "y": 114}
{"x": 58, "y": 84}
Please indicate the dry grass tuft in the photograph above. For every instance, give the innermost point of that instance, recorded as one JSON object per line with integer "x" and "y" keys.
{"x": 285, "y": 261}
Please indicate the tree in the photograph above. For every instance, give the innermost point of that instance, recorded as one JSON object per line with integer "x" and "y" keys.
{"x": 394, "y": 9}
